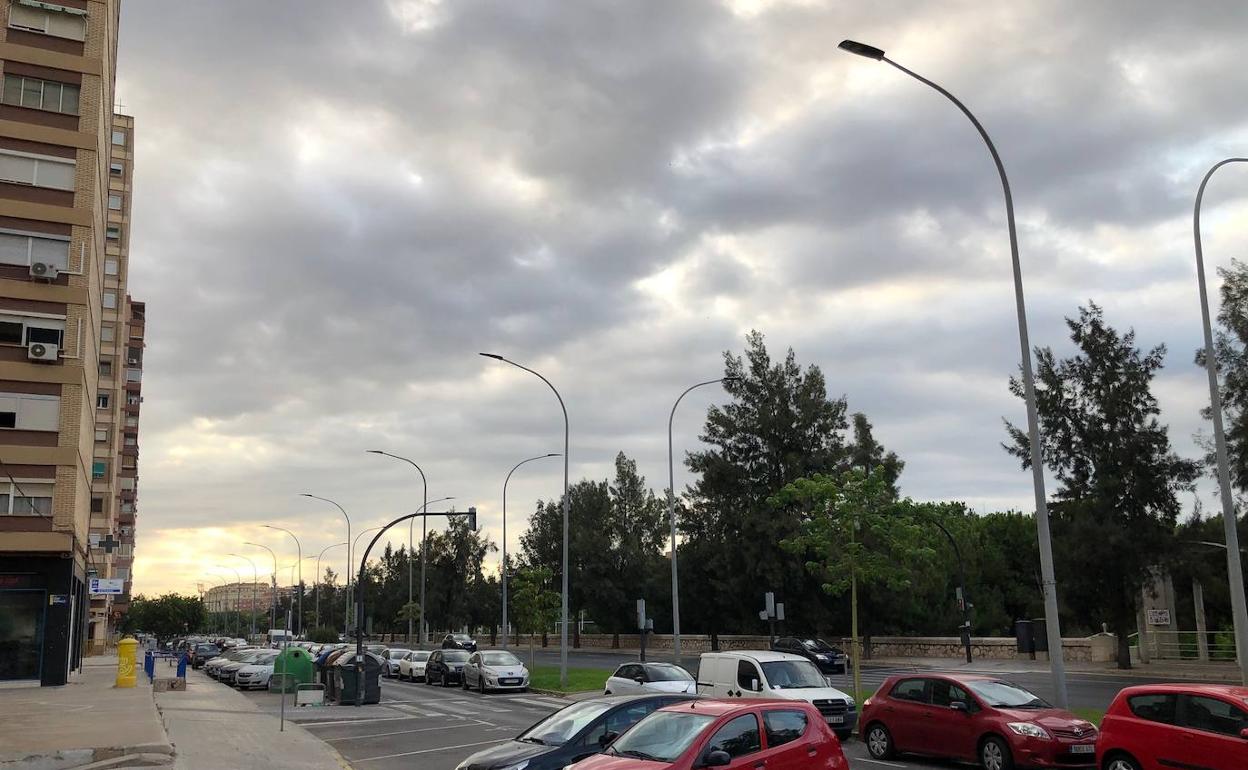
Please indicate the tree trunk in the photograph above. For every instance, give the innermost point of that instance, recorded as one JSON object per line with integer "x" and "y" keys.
{"x": 615, "y": 640}
{"x": 1121, "y": 629}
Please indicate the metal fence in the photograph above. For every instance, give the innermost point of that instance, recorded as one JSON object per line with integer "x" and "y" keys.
{"x": 1186, "y": 645}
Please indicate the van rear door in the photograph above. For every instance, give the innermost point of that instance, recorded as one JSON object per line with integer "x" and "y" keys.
{"x": 710, "y": 676}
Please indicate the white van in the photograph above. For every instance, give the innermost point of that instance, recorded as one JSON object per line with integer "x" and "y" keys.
{"x": 765, "y": 674}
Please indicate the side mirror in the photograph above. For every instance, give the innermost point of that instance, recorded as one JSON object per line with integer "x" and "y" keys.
{"x": 958, "y": 705}
{"x": 639, "y": 679}
{"x": 717, "y": 759}
{"x": 755, "y": 686}
{"x": 606, "y": 738}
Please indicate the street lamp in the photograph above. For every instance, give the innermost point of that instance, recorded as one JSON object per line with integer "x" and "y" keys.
{"x": 299, "y": 561}
{"x": 1052, "y": 621}
{"x": 273, "y": 617}
{"x": 563, "y": 626}
{"x": 671, "y": 512}
{"x": 346, "y": 621}
{"x": 504, "y": 569}
{"x": 1239, "y": 607}
{"x": 424, "y": 483}
{"x": 238, "y": 599}
{"x": 255, "y": 577}
{"x": 317, "y": 584}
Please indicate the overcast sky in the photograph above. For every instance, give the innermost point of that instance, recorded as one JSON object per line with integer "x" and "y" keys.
{"x": 337, "y": 205}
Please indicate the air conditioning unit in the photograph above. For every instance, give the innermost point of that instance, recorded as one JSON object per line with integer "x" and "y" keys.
{"x": 43, "y": 270}
{"x": 42, "y": 351}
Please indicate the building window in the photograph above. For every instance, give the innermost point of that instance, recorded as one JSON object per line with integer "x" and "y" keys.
{"x": 36, "y": 170}
{"x": 101, "y": 435}
{"x": 128, "y": 463}
{"x": 57, "y": 21}
{"x": 134, "y": 375}
{"x": 134, "y": 356}
{"x": 20, "y": 330}
{"x": 106, "y": 333}
{"x": 33, "y": 499}
{"x": 110, "y": 267}
{"x": 119, "y": 138}
{"x": 121, "y": 573}
{"x": 40, "y": 94}
{"x": 27, "y": 411}
{"x": 12, "y": 332}
{"x": 97, "y": 505}
{"x": 110, "y": 300}
{"x": 99, "y": 469}
{"x": 44, "y": 335}
{"x": 113, "y": 233}
{"x": 132, "y": 400}
{"x": 114, "y": 202}
{"x": 17, "y": 248}
{"x": 132, "y": 422}
{"x": 103, "y": 399}
{"x": 132, "y": 441}
{"x": 116, "y": 169}
{"x": 106, "y": 367}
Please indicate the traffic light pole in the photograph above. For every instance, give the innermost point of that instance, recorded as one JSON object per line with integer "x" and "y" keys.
{"x": 359, "y": 589}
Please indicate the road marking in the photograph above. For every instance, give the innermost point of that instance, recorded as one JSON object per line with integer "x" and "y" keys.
{"x": 401, "y": 732}
{"x": 538, "y": 702}
{"x": 430, "y": 751}
{"x": 352, "y": 721}
{"x": 880, "y": 762}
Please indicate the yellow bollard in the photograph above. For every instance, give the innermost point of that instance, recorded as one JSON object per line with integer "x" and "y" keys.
{"x": 127, "y": 650}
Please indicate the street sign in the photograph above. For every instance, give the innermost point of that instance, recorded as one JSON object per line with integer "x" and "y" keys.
{"x": 107, "y": 586}
{"x": 1159, "y": 617}
{"x": 641, "y": 613}
{"x": 769, "y": 600}
{"x": 780, "y": 611}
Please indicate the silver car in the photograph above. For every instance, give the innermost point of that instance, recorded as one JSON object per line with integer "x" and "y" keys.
{"x": 412, "y": 665}
{"x": 392, "y": 657}
{"x": 639, "y": 678}
{"x": 495, "y": 670}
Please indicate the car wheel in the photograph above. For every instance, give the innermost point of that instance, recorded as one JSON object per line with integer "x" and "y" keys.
{"x": 994, "y": 754}
{"x": 463, "y": 682}
{"x": 879, "y": 742}
{"x": 1121, "y": 762}
{"x": 481, "y": 684}
{"x": 445, "y": 682}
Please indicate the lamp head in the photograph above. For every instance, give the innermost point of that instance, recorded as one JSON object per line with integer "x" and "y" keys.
{"x": 733, "y": 378}
{"x": 555, "y": 454}
{"x": 494, "y": 356}
{"x": 861, "y": 49}
{"x": 374, "y": 451}
{"x": 305, "y": 494}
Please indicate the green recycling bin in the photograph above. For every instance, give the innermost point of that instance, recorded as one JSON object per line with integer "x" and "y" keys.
{"x": 292, "y": 667}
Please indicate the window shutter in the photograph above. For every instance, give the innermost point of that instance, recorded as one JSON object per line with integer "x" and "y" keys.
{"x": 28, "y": 18}
{"x": 65, "y": 25}
{"x": 14, "y": 249}
{"x": 15, "y": 168}
{"x": 39, "y": 413}
{"x": 51, "y": 251}
{"x": 50, "y": 173}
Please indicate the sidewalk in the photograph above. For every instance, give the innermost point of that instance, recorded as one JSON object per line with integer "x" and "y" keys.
{"x": 213, "y": 726}
{"x": 86, "y": 721}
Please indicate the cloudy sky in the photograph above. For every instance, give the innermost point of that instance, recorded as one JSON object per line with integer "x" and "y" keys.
{"x": 339, "y": 204}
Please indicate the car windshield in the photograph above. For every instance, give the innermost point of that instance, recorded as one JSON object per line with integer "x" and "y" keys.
{"x": 1005, "y": 695}
{"x": 461, "y": 637}
{"x": 207, "y": 649}
{"x": 454, "y": 656}
{"x": 420, "y": 655}
{"x": 396, "y": 654}
{"x": 662, "y": 736}
{"x": 668, "y": 673}
{"x": 500, "y": 659}
{"x": 793, "y": 674}
{"x": 561, "y": 726}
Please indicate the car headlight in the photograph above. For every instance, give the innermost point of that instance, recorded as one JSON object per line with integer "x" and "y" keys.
{"x": 849, "y": 701}
{"x": 1028, "y": 729}
{"x": 518, "y": 766}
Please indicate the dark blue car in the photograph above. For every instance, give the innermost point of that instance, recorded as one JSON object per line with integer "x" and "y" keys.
{"x": 571, "y": 734}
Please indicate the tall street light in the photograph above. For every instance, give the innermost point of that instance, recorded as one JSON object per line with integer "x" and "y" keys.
{"x": 671, "y": 512}
{"x": 238, "y": 599}
{"x": 504, "y": 569}
{"x": 255, "y": 577}
{"x": 563, "y": 626}
{"x": 424, "y": 483}
{"x": 346, "y": 622}
{"x": 299, "y": 561}
{"x": 317, "y": 584}
{"x": 1052, "y": 622}
{"x": 273, "y": 617}
{"x": 1239, "y": 608}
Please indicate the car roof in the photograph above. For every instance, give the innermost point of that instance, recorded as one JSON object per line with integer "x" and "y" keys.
{"x": 721, "y": 707}
{"x": 1233, "y": 690}
{"x": 951, "y": 675}
{"x": 762, "y": 656}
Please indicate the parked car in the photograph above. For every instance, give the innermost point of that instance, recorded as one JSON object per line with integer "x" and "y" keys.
{"x": 255, "y": 675}
{"x": 230, "y": 670}
{"x": 571, "y": 734}
{"x": 974, "y": 719}
{"x": 203, "y": 653}
{"x": 445, "y": 667}
{"x": 828, "y": 658}
{"x": 742, "y": 734}
{"x": 412, "y": 666}
{"x": 633, "y": 678}
{"x": 459, "y": 642}
{"x": 213, "y": 667}
{"x": 1176, "y": 725}
{"x": 766, "y": 674}
{"x": 392, "y": 657}
{"x": 495, "y": 670}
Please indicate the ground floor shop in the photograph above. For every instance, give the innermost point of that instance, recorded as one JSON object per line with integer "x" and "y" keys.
{"x": 43, "y": 617}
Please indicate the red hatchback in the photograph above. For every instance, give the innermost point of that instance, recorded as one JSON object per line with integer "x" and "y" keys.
{"x": 1151, "y": 727}
{"x": 780, "y": 735}
{"x": 974, "y": 718}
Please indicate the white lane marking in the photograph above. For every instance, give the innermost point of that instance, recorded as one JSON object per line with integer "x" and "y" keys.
{"x": 401, "y": 732}
{"x": 879, "y": 762}
{"x": 538, "y": 702}
{"x": 352, "y": 721}
{"x": 431, "y": 751}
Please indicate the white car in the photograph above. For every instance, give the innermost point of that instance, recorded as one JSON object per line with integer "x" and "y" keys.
{"x": 254, "y": 675}
{"x": 639, "y": 678}
{"x": 392, "y": 657}
{"x": 495, "y": 670}
{"x": 412, "y": 665}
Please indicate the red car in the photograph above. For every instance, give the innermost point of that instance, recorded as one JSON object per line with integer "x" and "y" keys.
{"x": 975, "y": 719}
{"x": 1151, "y": 727}
{"x": 780, "y": 735}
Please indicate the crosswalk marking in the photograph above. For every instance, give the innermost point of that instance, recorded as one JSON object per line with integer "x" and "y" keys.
{"x": 538, "y": 701}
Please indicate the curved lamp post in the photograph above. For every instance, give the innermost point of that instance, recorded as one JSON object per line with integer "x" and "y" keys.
{"x": 317, "y": 584}
{"x": 506, "y": 481}
{"x": 299, "y": 561}
{"x": 424, "y": 483}
{"x": 255, "y": 577}
{"x": 1239, "y": 608}
{"x": 563, "y": 625}
{"x": 273, "y": 617}
{"x": 671, "y": 511}
{"x": 346, "y": 619}
{"x": 1052, "y": 621}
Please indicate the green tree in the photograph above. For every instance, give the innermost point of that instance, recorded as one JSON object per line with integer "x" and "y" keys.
{"x": 854, "y": 534}
{"x": 1118, "y": 480}
{"x": 455, "y": 556}
{"x": 165, "y": 617}
{"x": 1230, "y": 352}
{"x": 535, "y": 603}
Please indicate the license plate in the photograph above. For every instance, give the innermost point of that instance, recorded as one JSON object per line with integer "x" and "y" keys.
{"x": 509, "y": 681}
{"x": 1083, "y": 748}
{"x": 838, "y": 719}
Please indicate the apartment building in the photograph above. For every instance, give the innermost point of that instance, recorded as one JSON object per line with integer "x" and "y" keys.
{"x": 57, "y": 70}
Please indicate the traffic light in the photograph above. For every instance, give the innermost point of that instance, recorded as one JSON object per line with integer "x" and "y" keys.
{"x": 472, "y": 518}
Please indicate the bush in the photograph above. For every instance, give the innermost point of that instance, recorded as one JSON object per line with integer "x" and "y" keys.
{"x": 323, "y": 634}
